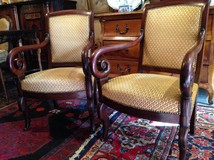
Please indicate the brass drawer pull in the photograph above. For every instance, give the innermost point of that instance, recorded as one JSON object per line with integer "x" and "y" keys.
{"x": 118, "y": 29}
{"x": 125, "y": 70}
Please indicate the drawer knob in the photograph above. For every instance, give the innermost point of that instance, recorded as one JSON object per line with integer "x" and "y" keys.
{"x": 122, "y": 32}
{"x": 125, "y": 70}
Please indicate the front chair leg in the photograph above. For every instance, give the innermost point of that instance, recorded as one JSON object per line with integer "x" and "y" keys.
{"x": 105, "y": 120}
{"x": 24, "y": 108}
{"x": 183, "y": 142}
{"x": 193, "y": 120}
{"x": 91, "y": 115}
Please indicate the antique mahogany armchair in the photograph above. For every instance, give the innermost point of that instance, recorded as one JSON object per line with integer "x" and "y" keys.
{"x": 69, "y": 42}
{"x": 171, "y": 41}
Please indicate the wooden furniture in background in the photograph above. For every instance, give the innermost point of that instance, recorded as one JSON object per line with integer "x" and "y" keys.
{"x": 208, "y": 64}
{"x": 30, "y": 15}
{"x": 120, "y": 28}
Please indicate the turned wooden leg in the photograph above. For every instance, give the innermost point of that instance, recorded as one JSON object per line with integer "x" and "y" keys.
{"x": 105, "y": 119}
{"x": 90, "y": 105}
{"x": 193, "y": 120}
{"x": 24, "y": 108}
{"x": 183, "y": 142}
{"x": 96, "y": 94}
{"x": 184, "y": 126}
{"x": 90, "y": 101}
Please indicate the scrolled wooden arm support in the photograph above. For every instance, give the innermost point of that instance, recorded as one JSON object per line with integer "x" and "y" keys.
{"x": 101, "y": 67}
{"x": 187, "y": 69}
{"x": 85, "y": 54}
{"x": 17, "y": 65}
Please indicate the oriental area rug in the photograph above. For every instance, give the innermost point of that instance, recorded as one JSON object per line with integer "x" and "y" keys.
{"x": 66, "y": 135}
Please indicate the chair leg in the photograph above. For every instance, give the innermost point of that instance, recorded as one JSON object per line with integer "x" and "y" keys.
{"x": 184, "y": 127}
{"x": 105, "y": 120}
{"x": 90, "y": 105}
{"x": 193, "y": 120}
{"x": 25, "y": 109}
{"x": 183, "y": 142}
{"x": 4, "y": 87}
{"x": 96, "y": 96}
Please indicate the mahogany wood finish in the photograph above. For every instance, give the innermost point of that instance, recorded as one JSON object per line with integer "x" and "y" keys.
{"x": 18, "y": 67}
{"x": 101, "y": 69}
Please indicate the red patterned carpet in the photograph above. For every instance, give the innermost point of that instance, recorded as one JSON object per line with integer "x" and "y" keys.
{"x": 50, "y": 137}
{"x": 64, "y": 135}
{"x": 131, "y": 138}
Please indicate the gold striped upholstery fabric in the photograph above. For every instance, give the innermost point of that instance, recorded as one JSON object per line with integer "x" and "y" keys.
{"x": 149, "y": 92}
{"x": 56, "y": 80}
{"x": 67, "y": 40}
{"x": 4, "y": 26}
{"x": 169, "y": 33}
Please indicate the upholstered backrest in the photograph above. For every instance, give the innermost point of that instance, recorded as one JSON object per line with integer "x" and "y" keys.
{"x": 68, "y": 35}
{"x": 170, "y": 31}
{"x": 4, "y": 26}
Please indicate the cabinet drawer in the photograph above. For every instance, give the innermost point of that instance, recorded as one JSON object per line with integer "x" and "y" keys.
{"x": 122, "y": 27}
{"x": 123, "y": 67}
{"x": 131, "y": 53}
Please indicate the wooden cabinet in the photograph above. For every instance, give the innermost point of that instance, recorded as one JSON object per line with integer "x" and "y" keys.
{"x": 28, "y": 15}
{"x": 121, "y": 28}
{"x": 208, "y": 64}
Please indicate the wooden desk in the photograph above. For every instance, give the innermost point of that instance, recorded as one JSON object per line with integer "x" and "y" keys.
{"x": 125, "y": 27}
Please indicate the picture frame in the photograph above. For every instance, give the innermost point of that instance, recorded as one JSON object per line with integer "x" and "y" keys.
{"x": 99, "y": 6}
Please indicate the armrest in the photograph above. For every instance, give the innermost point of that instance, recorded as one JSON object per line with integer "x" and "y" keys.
{"x": 85, "y": 54}
{"x": 188, "y": 67}
{"x": 101, "y": 68}
{"x": 16, "y": 63}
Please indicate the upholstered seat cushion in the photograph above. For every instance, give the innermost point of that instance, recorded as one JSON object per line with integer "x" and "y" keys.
{"x": 150, "y": 92}
{"x": 3, "y": 55}
{"x": 56, "y": 80}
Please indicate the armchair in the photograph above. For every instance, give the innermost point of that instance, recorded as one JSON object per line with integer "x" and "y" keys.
{"x": 172, "y": 41}
{"x": 69, "y": 41}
